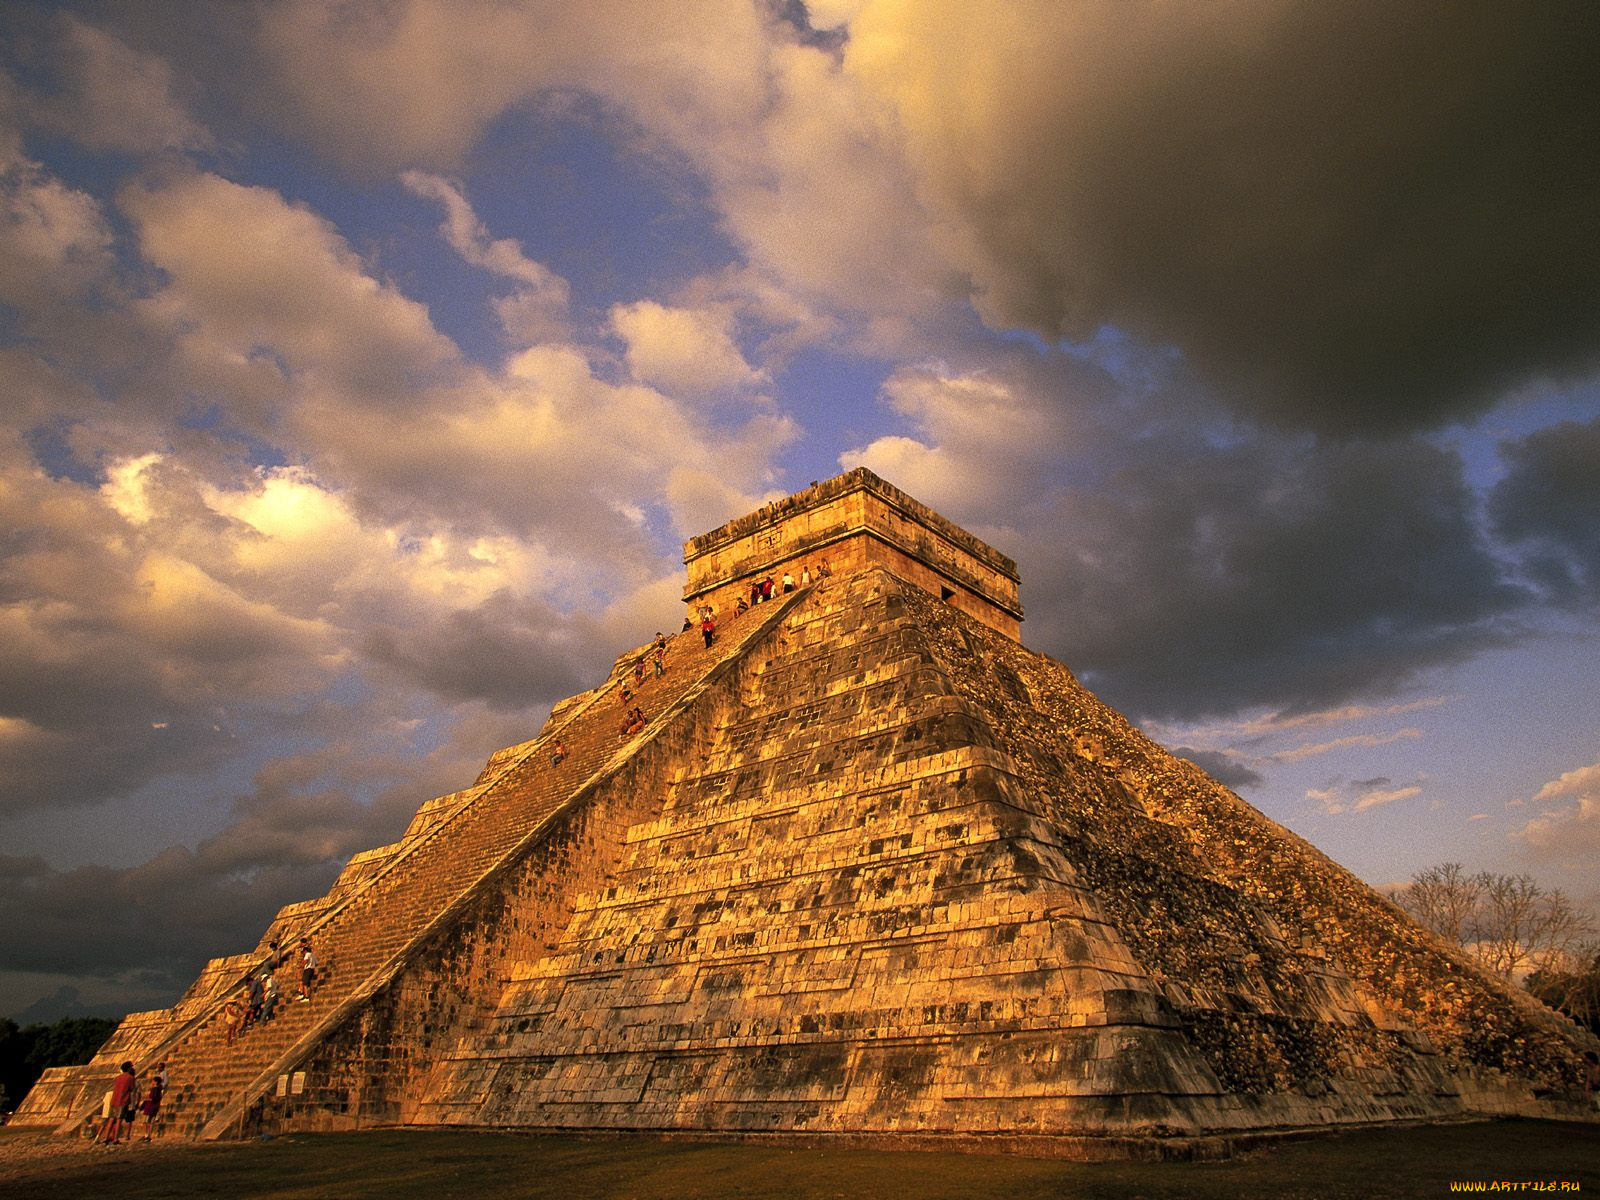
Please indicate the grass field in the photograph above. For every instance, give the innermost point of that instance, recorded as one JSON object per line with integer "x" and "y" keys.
{"x": 389, "y": 1164}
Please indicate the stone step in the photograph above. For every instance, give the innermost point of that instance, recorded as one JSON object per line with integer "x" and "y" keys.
{"x": 383, "y": 915}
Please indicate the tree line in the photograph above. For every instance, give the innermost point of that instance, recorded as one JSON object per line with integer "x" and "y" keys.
{"x": 25, "y": 1051}
{"x": 1519, "y": 930}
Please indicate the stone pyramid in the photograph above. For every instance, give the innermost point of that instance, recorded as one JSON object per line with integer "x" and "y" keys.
{"x": 872, "y": 871}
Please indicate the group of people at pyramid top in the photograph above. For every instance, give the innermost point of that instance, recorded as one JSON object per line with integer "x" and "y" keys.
{"x": 762, "y": 590}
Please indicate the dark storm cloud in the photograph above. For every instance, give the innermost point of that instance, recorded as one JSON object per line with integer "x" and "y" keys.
{"x": 165, "y": 915}
{"x": 1224, "y": 768}
{"x": 1548, "y": 506}
{"x": 511, "y": 654}
{"x": 1361, "y": 216}
{"x": 151, "y": 926}
{"x": 1197, "y": 579}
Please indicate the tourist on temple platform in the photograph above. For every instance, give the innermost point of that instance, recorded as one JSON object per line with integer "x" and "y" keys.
{"x": 687, "y": 625}
{"x": 558, "y": 753}
{"x": 788, "y": 583}
{"x": 741, "y": 608}
{"x": 755, "y": 592}
{"x": 708, "y": 630}
{"x": 661, "y": 642}
{"x": 122, "y": 1099}
{"x": 824, "y": 570}
{"x": 638, "y": 672}
{"x": 232, "y": 1019}
{"x": 269, "y": 995}
{"x": 152, "y": 1102}
{"x": 308, "y": 969}
{"x": 766, "y": 588}
{"x": 257, "y": 1000}
{"x": 660, "y": 661}
{"x": 805, "y": 576}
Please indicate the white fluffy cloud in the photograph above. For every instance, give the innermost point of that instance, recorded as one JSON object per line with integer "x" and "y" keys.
{"x": 1570, "y": 828}
{"x": 803, "y": 164}
{"x": 686, "y": 351}
{"x": 537, "y": 309}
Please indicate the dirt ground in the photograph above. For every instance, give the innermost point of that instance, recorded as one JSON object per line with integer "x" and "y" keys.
{"x": 1534, "y": 1157}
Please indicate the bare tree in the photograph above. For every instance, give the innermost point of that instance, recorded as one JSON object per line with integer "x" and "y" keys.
{"x": 1573, "y": 988}
{"x": 1520, "y": 927}
{"x": 1509, "y": 922}
{"x": 1444, "y": 898}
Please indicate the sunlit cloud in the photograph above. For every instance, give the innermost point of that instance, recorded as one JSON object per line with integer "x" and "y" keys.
{"x": 1316, "y": 749}
{"x": 1566, "y": 829}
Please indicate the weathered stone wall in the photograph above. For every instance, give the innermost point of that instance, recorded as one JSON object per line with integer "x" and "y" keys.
{"x": 1290, "y": 975}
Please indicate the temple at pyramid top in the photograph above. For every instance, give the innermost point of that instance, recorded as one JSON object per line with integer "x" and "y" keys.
{"x": 852, "y": 521}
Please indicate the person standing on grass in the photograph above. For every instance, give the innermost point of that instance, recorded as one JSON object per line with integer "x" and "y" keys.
{"x": 152, "y": 1101}
{"x": 122, "y": 1101}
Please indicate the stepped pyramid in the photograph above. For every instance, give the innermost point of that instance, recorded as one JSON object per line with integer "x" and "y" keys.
{"x": 872, "y": 871}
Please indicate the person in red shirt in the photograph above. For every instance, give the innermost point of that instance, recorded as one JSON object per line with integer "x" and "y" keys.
{"x": 122, "y": 1098}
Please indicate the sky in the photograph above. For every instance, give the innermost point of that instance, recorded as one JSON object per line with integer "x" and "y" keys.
{"x": 365, "y": 365}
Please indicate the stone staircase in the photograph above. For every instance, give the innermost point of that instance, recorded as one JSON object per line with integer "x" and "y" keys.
{"x": 362, "y": 942}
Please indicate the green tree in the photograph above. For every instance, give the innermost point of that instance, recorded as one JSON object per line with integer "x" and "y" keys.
{"x": 26, "y": 1052}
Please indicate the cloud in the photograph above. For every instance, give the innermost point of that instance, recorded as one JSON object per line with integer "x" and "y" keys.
{"x": 1290, "y": 195}
{"x": 118, "y": 98}
{"x": 177, "y": 605}
{"x": 1299, "y": 753}
{"x": 1207, "y": 578}
{"x": 55, "y": 242}
{"x": 1254, "y": 728}
{"x": 990, "y": 439}
{"x": 783, "y": 141}
{"x": 1376, "y": 797}
{"x": 1192, "y": 567}
{"x": 1570, "y": 829}
{"x": 683, "y": 351}
{"x": 538, "y": 309}
{"x": 1548, "y": 505}
{"x": 1360, "y": 795}
{"x": 110, "y": 628}
{"x": 251, "y": 277}
{"x": 1225, "y": 767}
